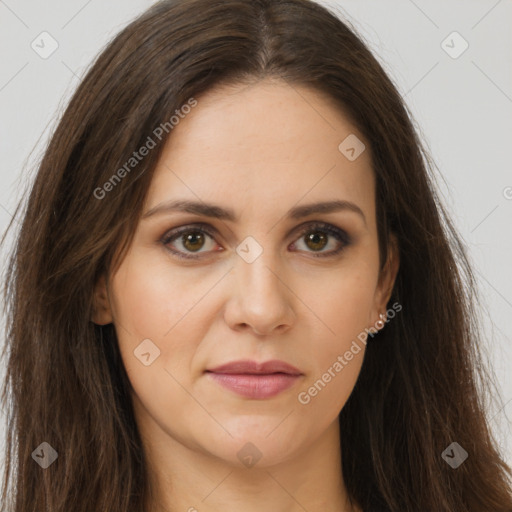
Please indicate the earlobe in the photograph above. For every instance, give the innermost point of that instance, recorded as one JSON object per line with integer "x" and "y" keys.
{"x": 101, "y": 304}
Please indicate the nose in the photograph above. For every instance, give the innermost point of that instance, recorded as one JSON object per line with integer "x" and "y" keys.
{"x": 260, "y": 300}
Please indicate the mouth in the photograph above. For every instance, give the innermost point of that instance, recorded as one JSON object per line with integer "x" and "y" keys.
{"x": 255, "y": 380}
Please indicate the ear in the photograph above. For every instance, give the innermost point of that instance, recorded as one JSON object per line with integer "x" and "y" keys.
{"x": 386, "y": 280}
{"x": 102, "y": 314}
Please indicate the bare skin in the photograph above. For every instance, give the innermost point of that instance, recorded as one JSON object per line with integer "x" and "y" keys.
{"x": 258, "y": 150}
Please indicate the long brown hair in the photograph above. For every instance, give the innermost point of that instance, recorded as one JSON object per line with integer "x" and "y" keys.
{"x": 422, "y": 384}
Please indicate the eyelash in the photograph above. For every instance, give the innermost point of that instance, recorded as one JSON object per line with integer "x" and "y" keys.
{"x": 337, "y": 233}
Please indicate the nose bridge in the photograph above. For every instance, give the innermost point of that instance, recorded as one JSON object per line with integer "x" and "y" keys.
{"x": 257, "y": 267}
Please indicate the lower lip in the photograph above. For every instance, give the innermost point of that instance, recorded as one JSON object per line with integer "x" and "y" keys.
{"x": 255, "y": 386}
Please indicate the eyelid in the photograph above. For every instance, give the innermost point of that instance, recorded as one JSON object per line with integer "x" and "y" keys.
{"x": 199, "y": 226}
{"x": 332, "y": 230}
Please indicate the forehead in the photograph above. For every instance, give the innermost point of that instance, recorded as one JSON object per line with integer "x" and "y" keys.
{"x": 265, "y": 145}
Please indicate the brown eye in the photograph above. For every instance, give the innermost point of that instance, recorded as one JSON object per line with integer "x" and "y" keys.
{"x": 193, "y": 241}
{"x": 186, "y": 241}
{"x": 316, "y": 241}
{"x": 317, "y": 236}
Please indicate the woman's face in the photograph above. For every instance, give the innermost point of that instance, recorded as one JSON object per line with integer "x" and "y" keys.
{"x": 262, "y": 272}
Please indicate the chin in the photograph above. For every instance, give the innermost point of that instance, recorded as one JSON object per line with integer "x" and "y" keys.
{"x": 255, "y": 447}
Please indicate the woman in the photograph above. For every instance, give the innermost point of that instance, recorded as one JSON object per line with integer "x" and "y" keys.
{"x": 236, "y": 288}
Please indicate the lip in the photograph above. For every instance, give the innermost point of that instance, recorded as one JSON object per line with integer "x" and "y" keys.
{"x": 255, "y": 380}
{"x": 254, "y": 368}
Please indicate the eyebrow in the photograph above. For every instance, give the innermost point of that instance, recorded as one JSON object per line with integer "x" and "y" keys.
{"x": 221, "y": 213}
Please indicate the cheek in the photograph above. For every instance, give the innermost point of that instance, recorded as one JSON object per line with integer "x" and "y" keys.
{"x": 136, "y": 307}
{"x": 152, "y": 301}
{"x": 337, "y": 353}
{"x": 161, "y": 313}
{"x": 344, "y": 303}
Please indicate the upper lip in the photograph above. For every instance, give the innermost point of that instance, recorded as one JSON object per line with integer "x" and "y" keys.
{"x": 253, "y": 367}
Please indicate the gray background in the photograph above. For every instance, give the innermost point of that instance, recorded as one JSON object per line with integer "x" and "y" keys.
{"x": 462, "y": 106}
